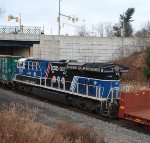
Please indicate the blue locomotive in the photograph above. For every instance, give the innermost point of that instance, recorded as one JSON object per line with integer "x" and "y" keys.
{"x": 89, "y": 86}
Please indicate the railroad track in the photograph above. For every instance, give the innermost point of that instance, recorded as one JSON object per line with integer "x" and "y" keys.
{"x": 122, "y": 123}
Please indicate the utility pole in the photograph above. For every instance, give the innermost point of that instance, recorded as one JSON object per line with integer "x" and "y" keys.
{"x": 74, "y": 19}
{"x": 20, "y": 23}
{"x": 122, "y": 34}
{"x": 84, "y": 25}
{"x": 59, "y": 19}
{"x": 18, "y": 19}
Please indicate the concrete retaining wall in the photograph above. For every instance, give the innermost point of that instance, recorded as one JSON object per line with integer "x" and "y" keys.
{"x": 91, "y": 49}
{"x": 83, "y": 49}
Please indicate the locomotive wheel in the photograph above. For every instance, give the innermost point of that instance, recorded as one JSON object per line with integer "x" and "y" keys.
{"x": 83, "y": 106}
{"x": 98, "y": 110}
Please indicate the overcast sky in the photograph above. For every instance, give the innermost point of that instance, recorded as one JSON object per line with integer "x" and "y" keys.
{"x": 45, "y": 12}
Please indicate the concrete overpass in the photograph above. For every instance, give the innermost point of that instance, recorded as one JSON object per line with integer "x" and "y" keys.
{"x": 12, "y": 41}
{"x": 16, "y": 47}
{"x": 29, "y": 45}
{"x": 68, "y": 47}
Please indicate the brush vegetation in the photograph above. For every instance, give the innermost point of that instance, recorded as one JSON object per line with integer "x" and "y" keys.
{"x": 17, "y": 126}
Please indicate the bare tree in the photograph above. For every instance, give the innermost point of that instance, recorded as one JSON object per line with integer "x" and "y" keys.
{"x": 108, "y": 29}
{"x": 100, "y": 29}
{"x": 141, "y": 33}
{"x": 104, "y": 29}
{"x": 148, "y": 25}
{"x": 145, "y": 31}
{"x": 82, "y": 31}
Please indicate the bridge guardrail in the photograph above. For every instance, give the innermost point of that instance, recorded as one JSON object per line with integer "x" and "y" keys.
{"x": 22, "y": 30}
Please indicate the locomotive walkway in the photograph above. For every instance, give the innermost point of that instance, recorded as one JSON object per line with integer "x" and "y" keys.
{"x": 54, "y": 114}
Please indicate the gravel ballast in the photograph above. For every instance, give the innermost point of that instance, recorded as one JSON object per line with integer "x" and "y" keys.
{"x": 54, "y": 114}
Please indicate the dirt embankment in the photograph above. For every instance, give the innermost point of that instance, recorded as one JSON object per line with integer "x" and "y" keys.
{"x": 136, "y": 63}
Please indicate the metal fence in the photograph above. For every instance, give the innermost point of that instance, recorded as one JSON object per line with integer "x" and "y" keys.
{"x": 21, "y": 30}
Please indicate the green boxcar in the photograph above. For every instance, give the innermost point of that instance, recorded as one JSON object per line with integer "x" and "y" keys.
{"x": 7, "y": 67}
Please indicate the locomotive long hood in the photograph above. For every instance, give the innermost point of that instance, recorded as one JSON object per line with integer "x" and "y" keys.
{"x": 98, "y": 67}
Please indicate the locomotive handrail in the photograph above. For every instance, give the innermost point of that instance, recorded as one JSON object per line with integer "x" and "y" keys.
{"x": 99, "y": 94}
{"x": 126, "y": 88}
{"x": 111, "y": 91}
{"x": 58, "y": 81}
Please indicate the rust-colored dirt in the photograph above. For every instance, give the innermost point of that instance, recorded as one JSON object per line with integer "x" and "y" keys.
{"x": 136, "y": 64}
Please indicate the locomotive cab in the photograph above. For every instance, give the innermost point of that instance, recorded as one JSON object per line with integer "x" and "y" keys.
{"x": 21, "y": 63}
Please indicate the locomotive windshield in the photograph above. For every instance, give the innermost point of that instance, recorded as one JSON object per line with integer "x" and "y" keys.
{"x": 21, "y": 63}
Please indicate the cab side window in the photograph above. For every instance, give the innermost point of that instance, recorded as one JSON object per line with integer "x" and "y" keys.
{"x": 26, "y": 65}
{"x": 20, "y": 65}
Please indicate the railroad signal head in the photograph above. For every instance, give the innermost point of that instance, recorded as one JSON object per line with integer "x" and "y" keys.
{"x": 9, "y": 18}
{"x": 21, "y": 27}
{"x": 58, "y": 19}
{"x": 17, "y": 19}
{"x": 77, "y": 19}
{"x": 73, "y": 19}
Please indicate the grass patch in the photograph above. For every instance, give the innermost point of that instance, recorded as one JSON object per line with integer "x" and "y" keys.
{"x": 17, "y": 126}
